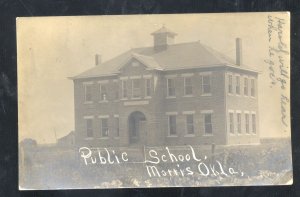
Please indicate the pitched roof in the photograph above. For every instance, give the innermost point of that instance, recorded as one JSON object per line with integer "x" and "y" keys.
{"x": 148, "y": 61}
{"x": 176, "y": 56}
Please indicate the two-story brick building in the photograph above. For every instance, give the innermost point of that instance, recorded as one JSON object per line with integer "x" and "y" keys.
{"x": 167, "y": 94}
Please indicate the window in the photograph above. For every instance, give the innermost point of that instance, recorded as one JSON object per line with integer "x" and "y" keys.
{"x": 237, "y": 87}
{"x": 207, "y": 124}
{"x": 190, "y": 123}
{"x": 172, "y": 125}
{"x": 89, "y": 127}
{"x": 239, "y": 123}
{"x": 253, "y": 123}
{"x": 103, "y": 93}
{"x": 136, "y": 88}
{"x": 116, "y": 94}
{"x": 188, "y": 87}
{"x": 171, "y": 87}
{"x": 252, "y": 88}
{"x": 206, "y": 84}
{"x": 247, "y": 123}
{"x": 124, "y": 89}
{"x": 104, "y": 127}
{"x": 135, "y": 64}
{"x": 246, "y": 87}
{"x": 230, "y": 84}
{"x": 148, "y": 87}
{"x": 231, "y": 123}
{"x": 117, "y": 127}
{"x": 116, "y": 91}
{"x": 88, "y": 93}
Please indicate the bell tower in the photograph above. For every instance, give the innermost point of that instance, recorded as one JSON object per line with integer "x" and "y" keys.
{"x": 162, "y": 38}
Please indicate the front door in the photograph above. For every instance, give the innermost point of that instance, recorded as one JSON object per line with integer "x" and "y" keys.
{"x": 136, "y": 127}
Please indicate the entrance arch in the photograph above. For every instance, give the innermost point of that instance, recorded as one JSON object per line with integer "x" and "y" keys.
{"x": 137, "y": 127}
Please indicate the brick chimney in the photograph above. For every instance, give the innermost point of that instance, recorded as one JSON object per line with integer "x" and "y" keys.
{"x": 162, "y": 38}
{"x": 239, "y": 55}
{"x": 97, "y": 59}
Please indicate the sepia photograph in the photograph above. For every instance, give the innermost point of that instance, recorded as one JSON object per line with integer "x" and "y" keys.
{"x": 164, "y": 100}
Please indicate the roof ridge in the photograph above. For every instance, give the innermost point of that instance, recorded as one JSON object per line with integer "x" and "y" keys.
{"x": 138, "y": 54}
{"x": 175, "y": 44}
{"x": 187, "y": 54}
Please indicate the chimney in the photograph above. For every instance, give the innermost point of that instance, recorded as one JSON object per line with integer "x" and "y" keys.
{"x": 239, "y": 55}
{"x": 97, "y": 59}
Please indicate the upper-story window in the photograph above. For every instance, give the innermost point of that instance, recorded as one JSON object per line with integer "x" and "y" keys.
{"x": 124, "y": 89}
{"x": 252, "y": 88}
{"x": 206, "y": 88}
{"x": 230, "y": 84}
{"x": 116, "y": 90}
{"x": 246, "y": 86}
{"x": 88, "y": 92}
{"x": 147, "y": 87}
{"x": 188, "y": 86}
{"x": 171, "y": 87}
{"x": 237, "y": 85}
{"x": 136, "y": 88}
{"x": 103, "y": 92}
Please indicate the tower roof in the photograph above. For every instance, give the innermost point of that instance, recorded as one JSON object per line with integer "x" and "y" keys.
{"x": 163, "y": 30}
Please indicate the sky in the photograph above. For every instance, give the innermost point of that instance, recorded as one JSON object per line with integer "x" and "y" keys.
{"x": 51, "y": 49}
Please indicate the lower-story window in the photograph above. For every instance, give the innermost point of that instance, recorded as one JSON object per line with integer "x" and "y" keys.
{"x": 247, "y": 123}
{"x": 231, "y": 123}
{"x": 254, "y": 123}
{"x": 89, "y": 127}
{"x": 104, "y": 127}
{"x": 239, "y": 123}
{"x": 190, "y": 123}
{"x": 172, "y": 125}
{"x": 208, "y": 130}
{"x": 117, "y": 126}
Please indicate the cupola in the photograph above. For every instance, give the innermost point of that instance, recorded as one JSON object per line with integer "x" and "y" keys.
{"x": 162, "y": 38}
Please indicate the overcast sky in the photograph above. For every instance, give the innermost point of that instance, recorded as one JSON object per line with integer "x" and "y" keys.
{"x": 51, "y": 49}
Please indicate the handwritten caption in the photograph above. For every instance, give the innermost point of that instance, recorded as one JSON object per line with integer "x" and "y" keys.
{"x": 162, "y": 163}
{"x": 278, "y": 68}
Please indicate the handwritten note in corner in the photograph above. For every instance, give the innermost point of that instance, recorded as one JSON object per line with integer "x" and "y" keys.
{"x": 278, "y": 62}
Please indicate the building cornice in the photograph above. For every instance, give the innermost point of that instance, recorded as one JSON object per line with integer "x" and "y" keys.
{"x": 241, "y": 68}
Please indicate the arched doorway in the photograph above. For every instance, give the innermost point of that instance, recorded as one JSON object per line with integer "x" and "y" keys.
{"x": 137, "y": 127}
